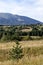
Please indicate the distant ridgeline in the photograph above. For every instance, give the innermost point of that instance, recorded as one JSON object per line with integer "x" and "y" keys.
{"x": 10, "y": 19}
{"x": 22, "y": 32}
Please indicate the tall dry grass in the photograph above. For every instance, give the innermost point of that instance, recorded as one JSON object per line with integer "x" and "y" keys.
{"x": 32, "y": 50}
{"x": 38, "y": 60}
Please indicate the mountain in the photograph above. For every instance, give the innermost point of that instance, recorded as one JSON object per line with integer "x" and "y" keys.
{"x": 10, "y": 19}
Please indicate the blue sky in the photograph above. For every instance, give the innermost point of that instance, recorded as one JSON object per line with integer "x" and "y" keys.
{"x": 30, "y": 8}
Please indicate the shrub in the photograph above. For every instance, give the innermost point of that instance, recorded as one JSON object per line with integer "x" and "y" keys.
{"x": 16, "y": 52}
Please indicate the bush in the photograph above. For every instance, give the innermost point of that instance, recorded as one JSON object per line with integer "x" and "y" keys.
{"x": 16, "y": 52}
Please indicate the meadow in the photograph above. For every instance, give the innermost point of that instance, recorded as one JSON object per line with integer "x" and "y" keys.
{"x": 32, "y": 50}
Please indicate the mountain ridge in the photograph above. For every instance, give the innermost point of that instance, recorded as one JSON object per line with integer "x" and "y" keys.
{"x": 10, "y": 19}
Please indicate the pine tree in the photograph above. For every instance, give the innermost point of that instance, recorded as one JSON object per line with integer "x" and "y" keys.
{"x": 17, "y": 52}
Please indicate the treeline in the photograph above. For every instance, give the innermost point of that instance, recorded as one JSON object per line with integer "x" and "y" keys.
{"x": 36, "y": 32}
{"x": 9, "y": 34}
{"x": 14, "y": 33}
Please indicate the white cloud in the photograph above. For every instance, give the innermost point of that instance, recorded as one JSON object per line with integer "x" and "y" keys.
{"x": 32, "y": 8}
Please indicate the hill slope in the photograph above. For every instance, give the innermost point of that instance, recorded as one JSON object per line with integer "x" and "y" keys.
{"x": 10, "y": 19}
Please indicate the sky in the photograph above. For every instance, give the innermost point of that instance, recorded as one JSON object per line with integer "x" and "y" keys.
{"x": 30, "y": 8}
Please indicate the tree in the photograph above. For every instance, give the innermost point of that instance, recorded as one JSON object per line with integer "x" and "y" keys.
{"x": 16, "y": 52}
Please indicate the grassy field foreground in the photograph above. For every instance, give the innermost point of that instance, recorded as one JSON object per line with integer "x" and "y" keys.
{"x": 32, "y": 50}
{"x": 38, "y": 60}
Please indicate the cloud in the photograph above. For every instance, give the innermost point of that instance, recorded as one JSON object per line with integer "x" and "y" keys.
{"x": 30, "y": 8}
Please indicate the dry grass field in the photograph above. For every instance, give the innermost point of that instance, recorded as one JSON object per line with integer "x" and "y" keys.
{"x": 34, "y": 56}
{"x": 25, "y": 61}
{"x": 32, "y": 43}
{"x": 26, "y": 30}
